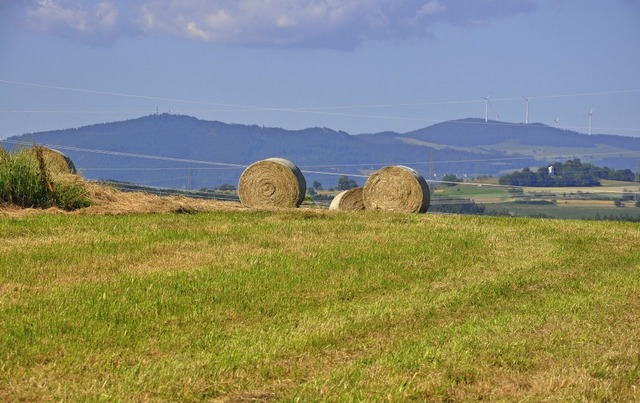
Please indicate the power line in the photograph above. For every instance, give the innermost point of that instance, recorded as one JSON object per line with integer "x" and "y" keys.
{"x": 225, "y": 165}
{"x": 320, "y": 110}
{"x": 475, "y": 160}
{"x": 157, "y": 169}
{"x": 120, "y": 94}
{"x": 78, "y": 111}
{"x": 222, "y": 165}
{"x": 432, "y": 182}
{"x": 133, "y": 155}
{"x": 254, "y": 107}
{"x": 339, "y": 114}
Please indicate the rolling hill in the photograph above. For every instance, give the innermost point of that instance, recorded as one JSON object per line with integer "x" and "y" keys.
{"x": 184, "y": 152}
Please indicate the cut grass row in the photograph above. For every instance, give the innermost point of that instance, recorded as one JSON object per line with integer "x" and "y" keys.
{"x": 316, "y": 305}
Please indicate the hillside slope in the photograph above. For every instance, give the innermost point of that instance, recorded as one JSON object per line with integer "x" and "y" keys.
{"x": 468, "y": 146}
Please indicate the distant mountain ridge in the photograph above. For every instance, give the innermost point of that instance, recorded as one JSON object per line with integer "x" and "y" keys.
{"x": 463, "y": 147}
{"x": 493, "y": 132}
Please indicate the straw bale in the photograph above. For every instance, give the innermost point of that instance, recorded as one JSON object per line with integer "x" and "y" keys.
{"x": 397, "y": 188}
{"x": 274, "y": 182}
{"x": 56, "y": 162}
{"x": 348, "y": 200}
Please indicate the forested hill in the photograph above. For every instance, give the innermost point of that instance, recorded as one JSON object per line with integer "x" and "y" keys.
{"x": 468, "y": 146}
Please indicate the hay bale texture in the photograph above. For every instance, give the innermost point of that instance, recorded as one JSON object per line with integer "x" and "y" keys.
{"x": 55, "y": 161}
{"x": 397, "y": 188}
{"x": 274, "y": 182}
{"x": 348, "y": 200}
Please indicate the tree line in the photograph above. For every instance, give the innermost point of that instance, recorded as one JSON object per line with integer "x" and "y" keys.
{"x": 571, "y": 173}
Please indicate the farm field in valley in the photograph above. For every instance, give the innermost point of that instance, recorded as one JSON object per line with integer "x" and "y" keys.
{"x": 317, "y": 305}
{"x": 561, "y": 202}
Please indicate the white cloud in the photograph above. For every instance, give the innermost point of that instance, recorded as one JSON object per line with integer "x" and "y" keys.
{"x": 95, "y": 23}
{"x": 219, "y": 18}
{"x": 339, "y": 24}
{"x": 431, "y": 8}
{"x": 193, "y": 30}
{"x": 314, "y": 23}
{"x": 107, "y": 14}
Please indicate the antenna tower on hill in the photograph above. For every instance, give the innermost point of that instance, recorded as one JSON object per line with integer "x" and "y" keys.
{"x": 590, "y": 114}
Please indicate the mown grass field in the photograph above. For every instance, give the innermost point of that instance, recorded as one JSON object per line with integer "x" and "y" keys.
{"x": 316, "y": 305}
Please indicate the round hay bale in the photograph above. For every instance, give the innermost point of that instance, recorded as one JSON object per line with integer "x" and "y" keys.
{"x": 348, "y": 200}
{"x": 274, "y": 182}
{"x": 55, "y": 161}
{"x": 397, "y": 188}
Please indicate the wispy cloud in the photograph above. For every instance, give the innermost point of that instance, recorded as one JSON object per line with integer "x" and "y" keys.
{"x": 337, "y": 24}
{"x": 95, "y": 22}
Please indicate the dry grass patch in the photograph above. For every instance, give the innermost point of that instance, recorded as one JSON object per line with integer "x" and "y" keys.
{"x": 108, "y": 200}
{"x": 111, "y": 201}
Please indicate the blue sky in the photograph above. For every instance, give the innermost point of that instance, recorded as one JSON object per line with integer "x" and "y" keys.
{"x": 360, "y": 66}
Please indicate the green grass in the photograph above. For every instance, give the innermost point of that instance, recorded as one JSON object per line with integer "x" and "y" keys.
{"x": 474, "y": 191}
{"x": 588, "y": 211}
{"x": 310, "y": 305}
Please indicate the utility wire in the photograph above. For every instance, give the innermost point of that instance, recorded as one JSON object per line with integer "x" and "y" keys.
{"x": 237, "y": 166}
{"x": 120, "y": 94}
{"x": 373, "y": 164}
{"x": 339, "y": 114}
{"x": 370, "y": 164}
{"x": 133, "y": 155}
{"x": 323, "y": 110}
{"x": 253, "y": 107}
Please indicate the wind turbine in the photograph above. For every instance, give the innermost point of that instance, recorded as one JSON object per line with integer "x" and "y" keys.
{"x": 590, "y": 114}
{"x": 557, "y": 120}
{"x": 486, "y": 108}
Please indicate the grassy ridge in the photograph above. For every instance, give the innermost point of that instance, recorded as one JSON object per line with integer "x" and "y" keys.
{"x": 316, "y": 305}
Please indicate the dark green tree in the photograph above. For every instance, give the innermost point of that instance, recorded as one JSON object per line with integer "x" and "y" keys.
{"x": 450, "y": 178}
{"x": 571, "y": 173}
{"x": 346, "y": 183}
{"x": 317, "y": 185}
{"x": 226, "y": 187}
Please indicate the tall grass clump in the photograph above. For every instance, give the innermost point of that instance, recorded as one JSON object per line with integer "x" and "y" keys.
{"x": 26, "y": 180}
